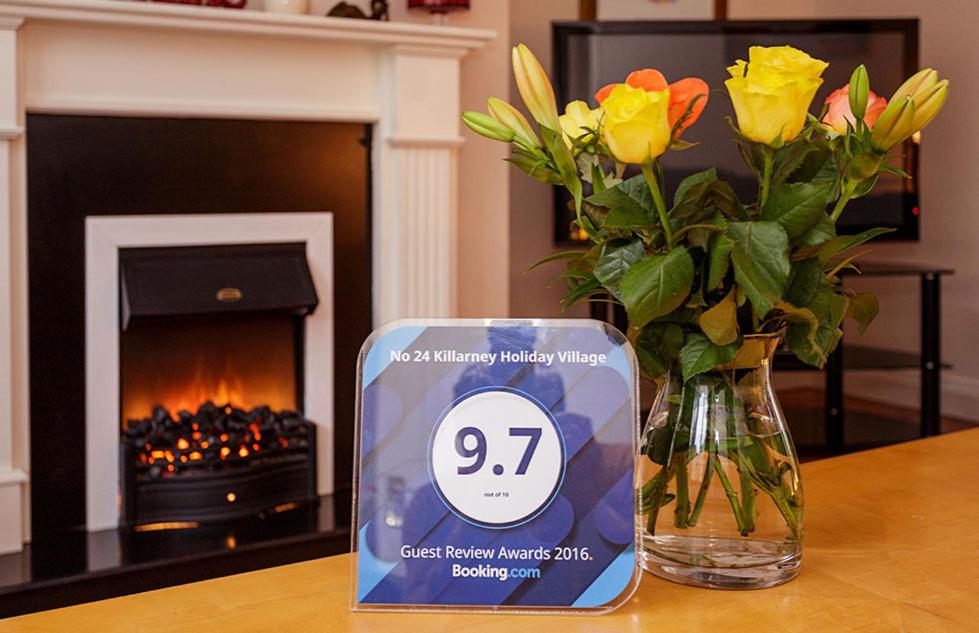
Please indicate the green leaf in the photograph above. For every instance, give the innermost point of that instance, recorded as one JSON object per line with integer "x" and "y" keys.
{"x": 720, "y": 323}
{"x": 795, "y": 157}
{"x": 537, "y": 169}
{"x": 818, "y": 168}
{"x": 866, "y": 186}
{"x": 681, "y": 316}
{"x": 699, "y": 196}
{"x": 863, "y": 309}
{"x": 564, "y": 161}
{"x": 841, "y": 244}
{"x": 803, "y": 316}
{"x": 718, "y": 259}
{"x": 581, "y": 291}
{"x": 679, "y": 145}
{"x": 686, "y": 189}
{"x": 696, "y": 299}
{"x": 657, "y": 347}
{"x": 616, "y": 258}
{"x": 629, "y": 203}
{"x": 797, "y": 207}
{"x": 897, "y": 171}
{"x": 697, "y": 235}
{"x": 700, "y": 355}
{"x": 723, "y": 197}
{"x": 817, "y": 165}
{"x": 819, "y": 233}
{"x": 761, "y": 262}
{"x": 656, "y": 285}
{"x": 557, "y": 257}
{"x": 804, "y": 281}
{"x": 829, "y": 308}
{"x": 749, "y": 160}
{"x": 846, "y": 262}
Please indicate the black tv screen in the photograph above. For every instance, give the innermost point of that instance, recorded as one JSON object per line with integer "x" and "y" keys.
{"x": 589, "y": 55}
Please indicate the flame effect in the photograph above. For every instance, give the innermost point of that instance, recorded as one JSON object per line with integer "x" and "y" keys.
{"x": 244, "y": 364}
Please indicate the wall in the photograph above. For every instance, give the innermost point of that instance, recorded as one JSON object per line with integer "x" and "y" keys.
{"x": 949, "y": 222}
{"x": 534, "y": 293}
{"x": 484, "y": 184}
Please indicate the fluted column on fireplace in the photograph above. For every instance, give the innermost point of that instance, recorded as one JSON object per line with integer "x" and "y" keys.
{"x": 13, "y": 339}
{"x": 415, "y": 230}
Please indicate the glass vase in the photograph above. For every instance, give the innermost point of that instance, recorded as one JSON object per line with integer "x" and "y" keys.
{"x": 721, "y": 503}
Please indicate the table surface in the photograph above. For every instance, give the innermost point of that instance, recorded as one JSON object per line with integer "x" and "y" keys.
{"x": 892, "y": 544}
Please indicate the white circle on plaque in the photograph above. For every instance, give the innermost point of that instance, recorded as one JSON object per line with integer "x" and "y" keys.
{"x": 496, "y": 457}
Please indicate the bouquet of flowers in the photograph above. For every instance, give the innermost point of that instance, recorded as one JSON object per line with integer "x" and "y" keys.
{"x": 700, "y": 270}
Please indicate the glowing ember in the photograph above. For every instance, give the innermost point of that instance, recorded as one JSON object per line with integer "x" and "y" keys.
{"x": 213, "y": 438}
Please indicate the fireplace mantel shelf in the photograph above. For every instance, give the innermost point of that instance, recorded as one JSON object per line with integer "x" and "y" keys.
{"x": 243, "y": 22}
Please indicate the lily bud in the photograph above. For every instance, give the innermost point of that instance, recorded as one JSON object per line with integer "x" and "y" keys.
{"x": 916, "y": 83}
{"x": 895, "y": 124}
{"x": 534, "y": 86}
{"x": 859, "y": 89}
{"x": 487, "y": 126}
{"x": 510, "y": 117}
{"x": 864, "y": 166}
{"x": 928, "y": 103}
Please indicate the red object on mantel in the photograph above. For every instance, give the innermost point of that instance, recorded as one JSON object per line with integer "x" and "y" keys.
{"x": 227, "y": 4}
{"x": 439, "y": 6}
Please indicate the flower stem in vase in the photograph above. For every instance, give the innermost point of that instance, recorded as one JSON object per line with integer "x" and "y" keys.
{"x": 698, "y": 505}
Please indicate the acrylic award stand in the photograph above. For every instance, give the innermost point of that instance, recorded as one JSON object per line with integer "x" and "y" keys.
{"x": 494, "y": 467}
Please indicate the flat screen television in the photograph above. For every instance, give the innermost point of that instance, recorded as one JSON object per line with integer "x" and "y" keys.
{"x": 589, "y": 55}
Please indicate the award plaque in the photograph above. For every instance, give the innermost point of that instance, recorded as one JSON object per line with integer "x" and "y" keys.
{"x": 494, "y": 467}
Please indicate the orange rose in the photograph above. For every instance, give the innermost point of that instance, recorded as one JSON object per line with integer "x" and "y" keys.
{"x": 682, "y": 94}
{"x": 839, "y": 113}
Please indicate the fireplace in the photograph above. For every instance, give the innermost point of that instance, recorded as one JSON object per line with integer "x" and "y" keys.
{"x": 220, "y": 129}
{"x": 166, "y": 235}
{"x": 212, "y": 351}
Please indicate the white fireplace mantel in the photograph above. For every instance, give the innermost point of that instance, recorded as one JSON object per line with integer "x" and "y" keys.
{"x": 110, "y": 57}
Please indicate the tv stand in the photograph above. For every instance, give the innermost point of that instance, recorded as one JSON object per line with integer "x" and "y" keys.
{"x": 861, "y": 358}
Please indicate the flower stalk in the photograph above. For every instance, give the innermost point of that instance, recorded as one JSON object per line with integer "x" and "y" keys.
{"x": 768, "y": 159}
{"x": 849, "y": 188}
{"x": 654, "y": 189}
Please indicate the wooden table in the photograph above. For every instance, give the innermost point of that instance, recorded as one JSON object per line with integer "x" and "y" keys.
{"x": 892, "y": 537}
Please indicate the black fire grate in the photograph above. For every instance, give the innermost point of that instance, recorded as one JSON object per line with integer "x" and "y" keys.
{"x": 217, "y": 464}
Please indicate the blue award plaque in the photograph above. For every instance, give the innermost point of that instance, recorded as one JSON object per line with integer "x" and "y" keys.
{"x": 494, "y": 467}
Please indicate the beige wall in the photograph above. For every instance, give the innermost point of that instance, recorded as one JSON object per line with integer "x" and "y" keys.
{"x": 484, "y": 185}
{"x": 950, "y": 191}
{"x": 534, "y": 293}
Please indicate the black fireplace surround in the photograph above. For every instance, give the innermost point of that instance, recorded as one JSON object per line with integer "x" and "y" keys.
{"x": 79, "y": 166}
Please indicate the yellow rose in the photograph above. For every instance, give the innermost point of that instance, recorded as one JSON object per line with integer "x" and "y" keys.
{"x": 787, "y": 60}
{"x": 636, "y": 123}
{"x": 577, "y": 121}
{"x": 771, "y": 92}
